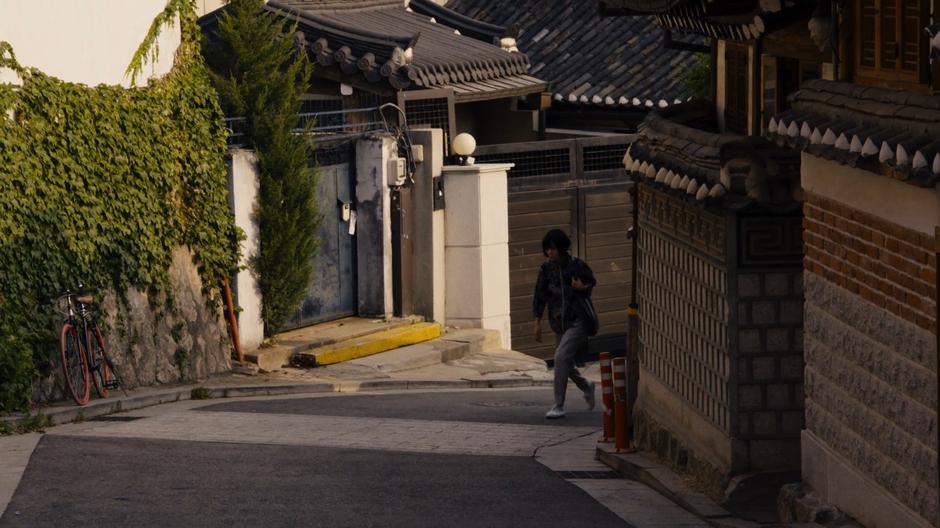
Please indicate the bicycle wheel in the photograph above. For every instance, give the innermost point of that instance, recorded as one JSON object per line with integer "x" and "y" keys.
{"x": 74, "y": 364}
{"x": 100, "y": 368}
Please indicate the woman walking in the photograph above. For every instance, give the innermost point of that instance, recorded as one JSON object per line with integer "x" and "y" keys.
{"x": 564, "y": 285}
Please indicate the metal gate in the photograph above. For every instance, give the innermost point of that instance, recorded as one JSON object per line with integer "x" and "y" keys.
{"x": 579, "y": 186}
{"x": 332, "y": 291}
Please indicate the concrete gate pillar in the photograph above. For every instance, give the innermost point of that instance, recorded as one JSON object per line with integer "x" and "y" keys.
{"x": 476, "y": 233}
{"x": 374, "y": 226}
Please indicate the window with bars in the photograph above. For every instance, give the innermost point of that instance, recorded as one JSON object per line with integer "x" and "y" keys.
{"x": 736, "y": 93}
{"x": 889, "y": 42}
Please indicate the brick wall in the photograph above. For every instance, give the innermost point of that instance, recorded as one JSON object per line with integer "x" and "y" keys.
{"x": 870, "y": 350}
{"x": 892, "y": 267}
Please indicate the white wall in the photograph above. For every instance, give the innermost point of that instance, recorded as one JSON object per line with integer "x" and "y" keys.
{"x": 476, "y": 260}
{"x": 242, "y": 196}
{"x": 84, "y": 41}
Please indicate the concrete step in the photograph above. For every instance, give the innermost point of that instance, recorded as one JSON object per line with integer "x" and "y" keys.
{"x": 497, "y": 361}
{"x": 287, "y": 344}
{"x": 479, "y": 339}
{"x": 368, "y": 345}
{"x": 427, "y": 354}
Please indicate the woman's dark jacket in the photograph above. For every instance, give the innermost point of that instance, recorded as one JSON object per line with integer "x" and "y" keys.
{"x": 553, "y": 289}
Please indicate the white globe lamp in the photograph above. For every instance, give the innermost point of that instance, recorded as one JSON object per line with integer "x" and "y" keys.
{"x": 464, "y": 144}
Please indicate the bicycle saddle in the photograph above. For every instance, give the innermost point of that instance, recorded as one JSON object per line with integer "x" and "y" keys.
{"x": 85, "y": 299}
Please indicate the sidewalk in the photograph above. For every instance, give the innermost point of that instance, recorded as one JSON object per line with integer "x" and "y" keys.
{"x": 457, "y": 361}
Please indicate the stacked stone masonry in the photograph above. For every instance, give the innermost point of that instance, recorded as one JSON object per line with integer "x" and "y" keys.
{"x": 871, "y": 391}
{"x": 892, "y": 267}
{"x": 770, "y": 365}
{"x": 870, "y": 348}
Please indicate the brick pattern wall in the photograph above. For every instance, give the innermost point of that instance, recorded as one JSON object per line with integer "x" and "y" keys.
{"x": 892, "y": 267}
{"x": 683, "y": 302}
{"x": 870, "y": 348}
{"x": 770, "y": 365}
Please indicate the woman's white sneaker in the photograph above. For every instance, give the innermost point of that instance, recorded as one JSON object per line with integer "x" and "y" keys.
{"x": 555, "y": 413}
{"x": 589, "y": 396}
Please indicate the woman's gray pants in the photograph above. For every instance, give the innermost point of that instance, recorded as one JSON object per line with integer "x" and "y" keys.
{"x": 566, "y": 346}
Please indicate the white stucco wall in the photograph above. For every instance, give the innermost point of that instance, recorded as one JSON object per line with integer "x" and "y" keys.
{"x": 242, "y": 196}
{"x": 84, "y": 41}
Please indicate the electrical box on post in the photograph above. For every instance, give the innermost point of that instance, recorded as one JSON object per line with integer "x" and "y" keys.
{"x": 397, "y": 172}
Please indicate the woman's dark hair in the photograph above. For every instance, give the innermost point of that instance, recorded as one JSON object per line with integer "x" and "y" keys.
{"x": 556, "y": 238}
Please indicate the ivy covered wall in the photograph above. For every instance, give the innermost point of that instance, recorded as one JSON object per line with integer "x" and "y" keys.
{"x": 99, "y": 186}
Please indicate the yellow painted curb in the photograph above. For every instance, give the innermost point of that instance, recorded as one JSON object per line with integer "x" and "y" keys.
{"x": 373, "y": 344}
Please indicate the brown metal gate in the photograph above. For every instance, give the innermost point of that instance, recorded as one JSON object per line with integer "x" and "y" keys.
{"x": 578, "y": 186}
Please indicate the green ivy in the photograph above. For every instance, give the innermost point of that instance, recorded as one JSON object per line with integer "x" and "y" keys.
{"x": 97, "y": 186}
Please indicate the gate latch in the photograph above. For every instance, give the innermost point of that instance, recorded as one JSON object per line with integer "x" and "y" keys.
{"x": 347, "y": 211}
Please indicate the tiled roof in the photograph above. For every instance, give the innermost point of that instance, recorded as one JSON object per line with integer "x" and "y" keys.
{"x": 727, "y": 170}
{"x": 724, "y": 19}
{"x": 590, "y": 59}
{"x": 385, "y": 41}
{"x": 885, "y": 131}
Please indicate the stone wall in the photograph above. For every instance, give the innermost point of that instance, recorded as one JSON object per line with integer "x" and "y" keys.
{"x": 770, "y": 365}
{"x": 870, "y": 348}
{"x": 161, "y": 338}
{"x": 721, "y": 366}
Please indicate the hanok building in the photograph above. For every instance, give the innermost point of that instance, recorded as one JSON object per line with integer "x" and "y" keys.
{"x": 605, "y": 74}
{"x": 720, "y": 355}
{"x": 442, "y": 70}
{"x": 870, "y": 144}
{"x": 862, "y": 118}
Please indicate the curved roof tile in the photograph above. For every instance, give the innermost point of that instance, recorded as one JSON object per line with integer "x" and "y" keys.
{"x": 588, "y": 58}
{"x": 372, "y": 38}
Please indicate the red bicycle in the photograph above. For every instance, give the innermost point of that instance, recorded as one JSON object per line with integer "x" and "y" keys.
{"x": 81, "y": 347}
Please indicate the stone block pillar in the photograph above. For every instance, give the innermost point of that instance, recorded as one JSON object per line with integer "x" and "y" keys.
{"x": 243, "y": 192}
{"x": 476, "y": 232}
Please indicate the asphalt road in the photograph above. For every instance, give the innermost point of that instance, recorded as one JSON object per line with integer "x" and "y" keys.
{"x": 484, "y": 406}
{"x": 100, "y": 480}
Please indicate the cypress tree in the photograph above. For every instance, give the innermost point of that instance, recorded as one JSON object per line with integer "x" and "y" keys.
{"x": 261, "y": 74}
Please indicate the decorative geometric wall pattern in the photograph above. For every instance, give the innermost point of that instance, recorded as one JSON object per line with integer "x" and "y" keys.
{"x": 775, "y": 241}
{"x": 696, "y": 226}
{"x": 684, "y": 332}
